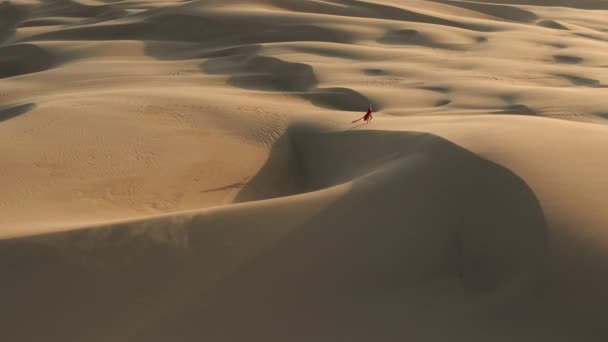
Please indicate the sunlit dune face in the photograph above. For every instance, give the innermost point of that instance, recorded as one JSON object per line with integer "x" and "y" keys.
{"x": 303, "y": 170}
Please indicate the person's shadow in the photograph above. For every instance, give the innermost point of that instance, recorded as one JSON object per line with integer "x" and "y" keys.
{"x": 357, "y": 126}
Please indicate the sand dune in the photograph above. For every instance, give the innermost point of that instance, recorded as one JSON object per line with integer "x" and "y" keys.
{"x": 188, "y": 171}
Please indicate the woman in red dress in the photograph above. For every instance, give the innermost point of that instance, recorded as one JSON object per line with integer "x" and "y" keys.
{"x": 367, "y": 117}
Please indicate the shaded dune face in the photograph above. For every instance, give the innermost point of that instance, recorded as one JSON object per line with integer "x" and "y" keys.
{"x": 211, "y": 215}
{"x": 11, "y": 112}
{"x": 501, "y": 11}
{"x": 9, "y": 17}
{"x": 586, "y": 4}
{"x": 260, "y": 72}
{"x": 190, "y": 274}
{"x": 568, "y": 59}
{"x": 268, "y": 73}
{"x": 406, "y": 37}
{"x": 398, "y": 167}
{"x": 551, "y": 24}
{"x": 20, "y": 59}
{"x": 366, "y": 9}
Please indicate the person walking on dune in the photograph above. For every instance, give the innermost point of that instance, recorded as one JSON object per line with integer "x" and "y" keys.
{"x": 367, "y": 117}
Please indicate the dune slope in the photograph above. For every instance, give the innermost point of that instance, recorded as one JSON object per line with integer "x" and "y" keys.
{"x": 188, "y": 171}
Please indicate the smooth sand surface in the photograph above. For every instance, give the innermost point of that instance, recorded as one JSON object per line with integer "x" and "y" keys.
{"x": 187, "y": 171}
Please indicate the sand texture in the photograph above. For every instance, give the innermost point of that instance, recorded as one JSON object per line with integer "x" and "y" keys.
{"x": 188, "y": 171}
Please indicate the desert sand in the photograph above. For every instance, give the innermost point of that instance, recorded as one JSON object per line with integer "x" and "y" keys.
{"x": 188, "y": 171}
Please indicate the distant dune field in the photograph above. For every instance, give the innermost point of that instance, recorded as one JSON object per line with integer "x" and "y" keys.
{"x": 188, "y": 171}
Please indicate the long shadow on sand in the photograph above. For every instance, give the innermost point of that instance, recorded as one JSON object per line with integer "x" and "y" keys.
{"x": 428, "y": 230}
{"x": 8, "y": 113}
{"x": 430, "y": 242}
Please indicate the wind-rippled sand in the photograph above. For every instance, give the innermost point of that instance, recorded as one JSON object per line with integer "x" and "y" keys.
{"x": 187, "y": 171}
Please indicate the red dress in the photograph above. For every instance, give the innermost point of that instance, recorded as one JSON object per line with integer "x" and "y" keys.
{"x": 367, "y": 117}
